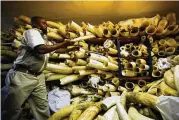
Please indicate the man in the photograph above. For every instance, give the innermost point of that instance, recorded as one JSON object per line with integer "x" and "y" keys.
{"x": 25, "y": 80}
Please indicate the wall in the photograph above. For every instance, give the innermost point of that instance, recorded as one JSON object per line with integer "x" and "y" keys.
{"x": 92, "y": 12}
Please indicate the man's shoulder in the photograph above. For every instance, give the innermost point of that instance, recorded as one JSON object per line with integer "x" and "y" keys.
{"x": 32, "y": 30}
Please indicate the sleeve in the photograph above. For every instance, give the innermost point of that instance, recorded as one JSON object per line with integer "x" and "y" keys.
{"x": 34, "y": 38}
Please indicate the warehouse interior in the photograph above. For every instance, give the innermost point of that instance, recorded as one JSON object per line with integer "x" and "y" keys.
{"x": 106, "y": 60}
{"x": 79, "y": 11}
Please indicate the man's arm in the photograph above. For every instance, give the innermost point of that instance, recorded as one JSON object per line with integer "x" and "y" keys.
{"x": 36, "y": 42}
{"x": 63, "y": 49}
{"x": 43, "y": 49}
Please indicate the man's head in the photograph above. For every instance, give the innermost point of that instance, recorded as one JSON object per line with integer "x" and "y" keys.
{"x": 40, "y": 23}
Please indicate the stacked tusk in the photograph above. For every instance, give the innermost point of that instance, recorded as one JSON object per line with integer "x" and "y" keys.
{"x": 141, "y": 83}
{"x": 106, "y": 33}
{"x": 150, "y": 30}
{"x": 129, "y": 86}
{"x": 115, "y": 32}
{"x": 80, "y": 62}
{"x": 96, "y": 64}
{"x": 128, "y": 73}
{"x": 134, "y": 31}
{"x": 111, "y": 66}
{"x": 156, "y": 73}
{"x": 99, "y": 31}
{"x": 95, "y": 68}
{"x": 70, "y": 78}
{"x": 98, "y": 57}
{"x": 74, "y": 26}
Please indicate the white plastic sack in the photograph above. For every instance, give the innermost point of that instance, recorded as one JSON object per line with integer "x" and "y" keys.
{"x": 163, "y": 64}
{"x": 169, "y": 107}
{"x": 58, "y": 99}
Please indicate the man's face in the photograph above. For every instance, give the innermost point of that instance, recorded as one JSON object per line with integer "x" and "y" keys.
{"x": 42, "y": 25}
